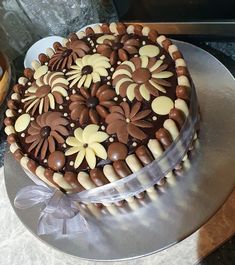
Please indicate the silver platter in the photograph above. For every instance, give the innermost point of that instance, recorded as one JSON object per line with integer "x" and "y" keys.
{"x": 182, "y": 205}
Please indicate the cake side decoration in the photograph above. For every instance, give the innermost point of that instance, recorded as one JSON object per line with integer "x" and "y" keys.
{"x": 90, "y": 107}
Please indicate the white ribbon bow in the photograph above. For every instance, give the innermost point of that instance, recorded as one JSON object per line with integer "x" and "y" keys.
{"x": 60, "y": 215}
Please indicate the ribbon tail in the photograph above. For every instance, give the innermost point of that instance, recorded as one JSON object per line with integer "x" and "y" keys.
{"x": 48, "y": 224}
{"x": 31, "y": 195}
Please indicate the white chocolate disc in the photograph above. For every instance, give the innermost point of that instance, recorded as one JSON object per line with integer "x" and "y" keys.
{"x": 162, "y": 105}
{"x": 149, "y": 50}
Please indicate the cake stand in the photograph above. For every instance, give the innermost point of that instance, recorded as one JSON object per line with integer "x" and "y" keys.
{"x": 182, "y": 205}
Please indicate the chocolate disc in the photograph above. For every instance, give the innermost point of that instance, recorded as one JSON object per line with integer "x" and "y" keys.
{"x": 56, "y": 160}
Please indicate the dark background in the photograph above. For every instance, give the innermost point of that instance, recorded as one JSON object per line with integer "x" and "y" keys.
{"x": 175, "y": 10}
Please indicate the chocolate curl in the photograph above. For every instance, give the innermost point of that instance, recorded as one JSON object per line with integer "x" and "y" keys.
{"x": 182, "y": 92}
{"x": 182, "y": 70}
{"x": 85, "y": 181}
{"x": 89, "y": 31}
{"x": 166, "y": 43}
{"x": 144, "y": 155}
{"x": 164, "y": 137}
{"x": 135, "y": 165}
{"x": 71, "y": 178}
{"x": 98, "y": 177}
{"x": 105, "y": 28}
{"x": 121, "y": 28}
{"x": 153, "y": 34}
{"x": 146, "y": 158}
{"x": 178, "y": 116}
{"x": 112, "y": 176}
{"x": 156, "y": 150}
{"x": 123, "y": 171}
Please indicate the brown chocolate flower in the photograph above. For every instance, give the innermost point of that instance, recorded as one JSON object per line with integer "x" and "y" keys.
{"x": 90, "y": 106}
{"x": 125, "y": 121}
{"x": 47, "y": 130}
{"x": 119, "y": 48}
{"x": 45, "y": 92}
{"x": 141, "y": 77}
{"x": 64, "y": 57}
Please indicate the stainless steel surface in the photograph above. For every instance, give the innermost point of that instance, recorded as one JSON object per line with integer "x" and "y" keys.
{"x": 182, "y": 205}
{"x": 222, "y": 29}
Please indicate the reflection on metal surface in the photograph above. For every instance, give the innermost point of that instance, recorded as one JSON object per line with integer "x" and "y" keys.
{"x": 184, "y": 203}
{"x": 221, "y": 29}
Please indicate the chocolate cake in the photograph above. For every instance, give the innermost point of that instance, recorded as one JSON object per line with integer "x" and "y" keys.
{"x": 99, "y": 106}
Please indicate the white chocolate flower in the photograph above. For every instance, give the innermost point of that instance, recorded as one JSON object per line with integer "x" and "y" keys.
{"x": 88, "y": 69}
{"x": 45, "y": 92}
{"x": 87, "y": 144}
{"x": 141, "y": 77}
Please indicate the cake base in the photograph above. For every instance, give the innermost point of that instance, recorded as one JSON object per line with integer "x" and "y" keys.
{"x": 179, "y": 207}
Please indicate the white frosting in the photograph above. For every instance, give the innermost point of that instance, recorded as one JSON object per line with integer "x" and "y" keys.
{"x": 130, "y": 29}
{"x": 172, "y": 48}
{"x": 22, "y": 80}
{"x": 160, "y": 39}
{"x": 49, "y": 52}
{"x": 14, "y": 147}
{"x": 81, "y": 34}
{"x": 9, "y": 129}
{"x": 181, "y": 104}
{"x": 59, "y": 179}
{"x": 183, "y": 81}
{"x": 84, "y": 179}
{"x": 15, "y": 96}
{"x": 145, "y": 31}
{"x": 180, "y": 62}
{"x": 170, "y": 126}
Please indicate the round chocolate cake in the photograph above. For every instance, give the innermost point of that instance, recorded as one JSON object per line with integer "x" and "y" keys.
{"x": 99, "y": 106}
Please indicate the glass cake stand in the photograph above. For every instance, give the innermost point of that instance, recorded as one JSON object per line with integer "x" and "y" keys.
{"x": 181, "y": 206}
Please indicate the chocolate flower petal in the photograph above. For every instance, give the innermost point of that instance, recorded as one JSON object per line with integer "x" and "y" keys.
{"x": 122, "y": 134}
{"x": 102, "y": 111}
{"x": 62, "y": 130}
{"x": 141, "y": 115}
{"x": 130, "y": 49}
{"x": 107, "y": 95}
{"x": 84, "y": 116}
{"x": 114, "y": 117}
{"x": 34, "y": 144}
{"x": 51, "y": 144}
{"x": 44, "y": 149}
{"x": 135, "y": 132}
{"x": 132, "y": 42}
{"x": 126, "y": 109}
{"x": 117, "y": 109}
{"x": 142, "y": 124}
{"x": 135, "y": 109}
{"x": 94, "y": 116}
{"x": 31, "y": 138}
{"x": 112, "y": 127}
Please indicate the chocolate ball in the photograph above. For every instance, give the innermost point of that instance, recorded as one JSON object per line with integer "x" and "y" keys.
{"x": 28, "y": 72}
{"x": 56, "y": 160}
{"x": 11, "y": 138}
{"x": 17, "y": 88}
{"x": 18, "y": 154}
{"x": 117, "y": 151}
{"x": 56, "y": 45}
{"x": 8, "y": 121}
{"x": 32, "y": 165}
{"x": 48, "y": 173}
{"x": 43, "y": 58}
